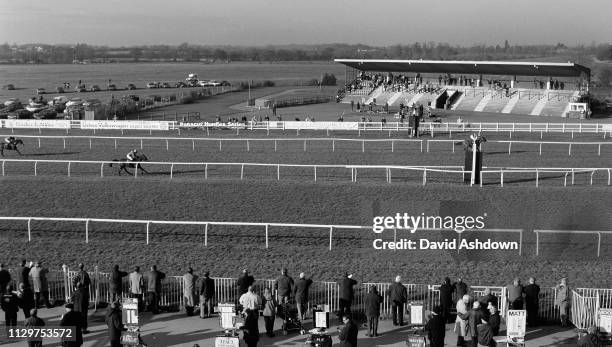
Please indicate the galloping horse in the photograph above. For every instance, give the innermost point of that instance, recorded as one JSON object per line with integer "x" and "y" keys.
{"x": 10, "y": 146}
{"x": 124, "y": 164}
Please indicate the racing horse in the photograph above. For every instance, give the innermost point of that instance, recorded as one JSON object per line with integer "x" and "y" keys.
{"x": 11, "y": 146}
{"x": 124, "y": 164}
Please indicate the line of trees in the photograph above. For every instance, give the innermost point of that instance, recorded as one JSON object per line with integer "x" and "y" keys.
{"x": 43, "y": 53}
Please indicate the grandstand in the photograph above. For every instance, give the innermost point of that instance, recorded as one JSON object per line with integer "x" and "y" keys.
{"x": 523, "y": 88}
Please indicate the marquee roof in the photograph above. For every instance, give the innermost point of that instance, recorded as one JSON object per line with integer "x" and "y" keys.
{"x": 469, "y": 67}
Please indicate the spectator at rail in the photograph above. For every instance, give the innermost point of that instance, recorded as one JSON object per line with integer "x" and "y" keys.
{"x": 436, "y": 328}
{"x": 515, "y": 295}
{"x": 283, "y": 287}
{"x": 26, "y": 299}
{"x": 300, "y": 293}
{"x": 5, "y": 278}
{"x": 590, "y": 339}
{"x": 189, "y": 292}
{"x": 562, "y": 301}
{"x": 346, "y": 294}
{"x": 348, "y": 332}
{"x": 244, "y": 282}
{"x": 250, "y": 300}
{"x": 10, "y": 306}
{"x": 487, "y": 299}
{"x": 72, "y": 319}
{"x": 32, "y": 322}
{"x": 352, "y": 105}
{"x": 460, "y": 322}
{"x": 23, "y": 273}
{"x": 485, "y": 334}
{"x": 372, "y": 304}
{"x": 81, "y": 284}
{"x": 358, "y": 106}
{"x": 116, "y": 283}
{"x": 207, "y": 294}
{"x": 494, "y": 319}
{"x": 250, "y": 329}
{"x": 474, "y": 318}
{"x": 398, "y": 295}
{"x": 115, "y": 325}
{"x": 137, "y": 286}
{"x": 459, "y": 287}
{"x": 40, "y": 284}
{"x": 269, "y": 305}
{"x": 532, "y": 301}
{"x": 154, "y": 279}
{"x": 446, "y": 298}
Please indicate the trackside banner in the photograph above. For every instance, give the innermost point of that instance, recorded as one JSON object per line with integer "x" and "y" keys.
{"x": 125, "y": 124}
{"x": 219, "y": 125}
{"x": 36, "y": 123}
{"x": 316, "y": 125}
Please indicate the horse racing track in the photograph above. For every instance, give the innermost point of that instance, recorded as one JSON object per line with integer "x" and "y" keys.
{"x": 295, "y": 198}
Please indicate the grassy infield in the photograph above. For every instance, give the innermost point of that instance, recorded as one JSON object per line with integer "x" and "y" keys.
{"x": 296, "y": 199}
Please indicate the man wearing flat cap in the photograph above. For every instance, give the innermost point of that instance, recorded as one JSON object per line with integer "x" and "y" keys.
{"x": 72, "y": 319}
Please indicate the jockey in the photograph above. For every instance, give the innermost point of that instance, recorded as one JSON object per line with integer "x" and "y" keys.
{"x": 132, "y": 155}
{"x": 10, "y": 140}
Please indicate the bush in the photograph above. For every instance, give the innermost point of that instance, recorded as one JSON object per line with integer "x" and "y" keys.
{"x": 328, "y": 80}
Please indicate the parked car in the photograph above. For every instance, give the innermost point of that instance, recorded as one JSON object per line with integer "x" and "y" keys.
{"x": 9, "y": 87}
{"x": 152, "y": 85}
{"x": 131, "y": 86}
{"x": 166, "y": 85}
{"x": 47, "y": 113}
{"x": 40, "y": 91}
{"x": 203, "y": 83}
{"x": 59, "y": 90}
{"x": 80, "y": 88}
{"x": 181, "y": 85}
{"x": 95, "y": 88}
{"x": 112, "y": 87}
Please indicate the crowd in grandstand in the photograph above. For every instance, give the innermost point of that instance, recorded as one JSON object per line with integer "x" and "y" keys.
{"x": 477, "y": 319}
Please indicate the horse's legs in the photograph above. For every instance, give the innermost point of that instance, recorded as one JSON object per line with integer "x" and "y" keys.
{"x": 18, "y": 150}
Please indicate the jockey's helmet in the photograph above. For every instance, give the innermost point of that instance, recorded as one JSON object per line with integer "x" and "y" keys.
{"x": 135, "y": 150}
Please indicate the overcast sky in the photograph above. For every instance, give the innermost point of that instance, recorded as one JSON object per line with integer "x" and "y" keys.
{"x": 263, "y": 22}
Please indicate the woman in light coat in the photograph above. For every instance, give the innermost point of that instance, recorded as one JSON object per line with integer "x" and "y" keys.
{"x": 463, "y": 305}
{"x": 562, "y": 301}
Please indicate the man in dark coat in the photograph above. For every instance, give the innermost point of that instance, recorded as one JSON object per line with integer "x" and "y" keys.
{"x": 348, "y": 332}
{"x": 460, "y": 288}
{"x": 72, "y": 319}
{"x": 436, "y": 327}
{"x": 283, "y": 287}
{"x": 398, "y": 295}
{"x": 485, "y": 334}
{"x": 446, "y": 298}
{"x": 250, "y": 329}
{"x": 154, "y": 278}
{"x": 474, "y": 318}
{"x": 26, "y": 299}
{"x": 81, "y": 294}
{"x": 494, "y": 320}
{"x": 485, "y": 300}
{"x": 34, "y": 322}
{"x": 300, "y": 293}
{"x": 207, "y": 294}
{"x": 5, "y": 278}
{"x": 532, "y": 301}
{"x": 116, "y": 284}
{"x": 23, "y": 272}
{"x": 115, "y": 325}
{"x": 372, "y": 303}
{"x": 10, "y": 306}
{"x": 244, "y": 282}
{"x": 346, "y": 294}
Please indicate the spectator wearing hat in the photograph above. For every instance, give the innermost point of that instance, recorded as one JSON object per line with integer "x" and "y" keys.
{"x": 446, "y": 298}
{"x": 26, "y": 299}
{"x": 10, "y": 306}
{"x": 398, "y": 295}
{"x": 72, "y": 319}
{"x": 33, "y": 322}
{"x": 515, "y": 294}
{"x": 283, "y": 287}
{"x": 346, "y": 294}
{"x": 300, "y": 293}
{"x": 81, "y": 294}
{"x": 372, "y": 303}
{"x": 207, "y": 294}
{"x": 244, "y": 282}
{"x": 5, "y": 278}
{"x": 436, "y": 327}
{"x": 189, "y": 292}
{"x": 116, "y": 284}
{"x": 40, "y": 284}
{"x": 532, "y": 301}
{"x": 115, "y": 325}
{"x": 137, "y": 286}
{"x": 154, "y": 278}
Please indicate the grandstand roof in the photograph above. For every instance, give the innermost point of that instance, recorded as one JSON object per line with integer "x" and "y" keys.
{"x": 469, "y": 67}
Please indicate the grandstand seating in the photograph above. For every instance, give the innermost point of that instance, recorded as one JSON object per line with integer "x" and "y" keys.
{"x": 525, "y": 105}
{"x": 496, "y": 104}
{"x": 557, "y": 104}
{"x": 468, "y": 102}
